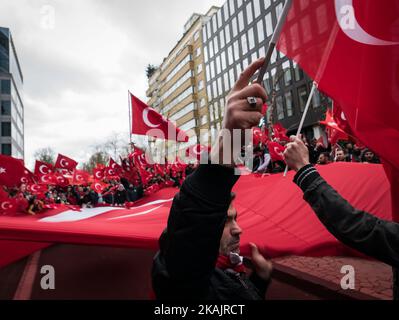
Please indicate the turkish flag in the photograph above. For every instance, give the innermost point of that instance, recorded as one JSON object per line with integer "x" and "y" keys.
{"x": 98, "y": 186}
{"x": 280, "y": 132}
{"x": 80, "y": 177}
{"x": 11, "y": 171}
{"x": 42, "y": 168}
{"x": 146, "y": 121}
{"x": 115, "y": 166}
{"x": 28, "y": 177}
{"x": 351, "y": 49}
{"x": 8, "y": 206}
{"x": 48, "y": 179}
{"x": 196, "y": 151}
{"x": 276, "y": 151}
{"x": 64, "y": 162}
{"x": 110, "y": 172}
{"x": 335, "y": 133}
{"x": 98, "y": 173}
{"x": 36, "y": 188}
{"x": 61, "y": 180}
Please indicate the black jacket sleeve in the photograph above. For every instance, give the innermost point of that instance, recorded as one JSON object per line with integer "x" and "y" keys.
{"x": 190, "y": 245}
{"x": 357, "y": 229}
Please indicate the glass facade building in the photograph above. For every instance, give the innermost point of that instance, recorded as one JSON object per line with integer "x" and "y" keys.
{"x": 239, "y": 33}
{"x": 12, "y": 108}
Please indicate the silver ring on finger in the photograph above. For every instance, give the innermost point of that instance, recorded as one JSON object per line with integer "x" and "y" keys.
{"x": 252, "y": 101}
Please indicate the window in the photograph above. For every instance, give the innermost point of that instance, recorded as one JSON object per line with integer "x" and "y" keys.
{"x": 251, "y": 38}
{"x": 218, "y": 65}
{"x": 267, "y": 4}
{"x": 208, "y": 73}
{"x": 256, "y": 8}
{"x": 204, "y": 34}
{"x": 209, "y": 92}
{"x": 214, "y": 23}
{"x": 212, "y": 69}
{"x": 279, "y": 10}
{"x": 6, "y": 149}
{"x": 219, "y": 16}
{"x": 222, "y": 42}
{"x": 226, "y": 11}
{"x": 262, "y": 52}
{"x": 200, "y": 85}
{"x": 215, "y": 89}
{"x": 287, "y": 73}
{"x": 261, "y": 31}
{"x": 269, "y": 25}
{"x": 6, "y": 129}
{"x": 232, "y": 77}
{"x": 244, "y": 44}
{"x": 227, "y": 32}
{"x": 6, "y": 108}
{"x": 188, "y": 125}
{"x": 236, "y": 50}
{"x": 266, "y": 82}
{"x": 230, "y": 56}
{"x": 199, "y": 68}
{"x": 239, "y": 3}
{"x": 298, "y": 72}
{"x": 204, "y": 120}
{"x": 234, "y": 27}
{"x": 220, "y": 88}
{"x": 198, "y": 52}
{"x": 205, "y": 54}
{"x": 202, "y": 102}
{"x": 288, "y": 103}
{"x": 226, "y": 81}
{"x": 223, "y": 57}
{"x": 5, "y": 86}
{"x": 250, "y": 17}
{"x": 216, "y": 44}
{"x": 241, "y": 21}
{"x": 184, "y": 111}
{"x": 303, "y": 97}
{"x": 280, "y": 108}
{"x": 316, "y": 99}
{"x": 196, "y": 36}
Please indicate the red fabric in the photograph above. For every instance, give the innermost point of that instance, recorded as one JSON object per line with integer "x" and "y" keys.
{"x": 146, "y": 121}
{"x": 98, "y": 173}
{"x": 271, "y": 212}
{"x": 8, "y": 206}
{"x": 98, "y": 186}
{"x": 196, "y": 151}
{"x": 352, "y": 52}
{"x": 11, "y": 171}
{"x": 48, "y": 179}
{"x": 115, "y": 166}
{"x": 335, "y": 133}
{"x": 63, "y": 162}
{"x": 80, "y": 177}
{"x": 42, "y": 168}
{"x": 11, "y": 251}
{"x": 276, "y": 151}
{"x": 280, "y": 132}
{"x": 224, "y": 263}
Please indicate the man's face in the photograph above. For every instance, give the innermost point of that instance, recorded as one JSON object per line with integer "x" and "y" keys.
{"x": 340, "y": 155}
{"x": 369, "y": 156}
{"x": 322, "y": 159}
{"x": 230, "y": 241}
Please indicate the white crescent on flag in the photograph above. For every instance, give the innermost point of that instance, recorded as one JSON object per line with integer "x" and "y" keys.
{"x": 147, "y": 121}
{"x": 64, "y": 163}
{"x": 350, "y": 26}
{"x": 43, "y": 169}
{"x": 6, "y": 205}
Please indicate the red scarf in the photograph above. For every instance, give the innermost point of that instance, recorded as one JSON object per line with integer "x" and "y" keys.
{"x": 224, "y": 263}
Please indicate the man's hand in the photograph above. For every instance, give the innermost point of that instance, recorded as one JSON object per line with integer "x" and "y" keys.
{"x": 239, "y": 114}
{"x": 263, "y": 267}
{"x": 297, "y": 154}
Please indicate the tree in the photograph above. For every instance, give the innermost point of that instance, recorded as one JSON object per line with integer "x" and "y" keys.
{"x": 45, "y": 155}
{"x": 150, "y": 70}
{"x": 97, "y": 158}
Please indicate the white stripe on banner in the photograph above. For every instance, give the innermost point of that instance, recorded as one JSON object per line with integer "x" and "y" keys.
{"x": 135, "y": 214}
{"x": 86, "y": 213}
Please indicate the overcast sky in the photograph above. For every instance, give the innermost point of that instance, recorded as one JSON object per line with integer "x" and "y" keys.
{"x": 79, "y": 58}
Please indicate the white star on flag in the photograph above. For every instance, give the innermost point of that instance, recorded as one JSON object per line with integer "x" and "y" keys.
{"x": 2, "y": 170}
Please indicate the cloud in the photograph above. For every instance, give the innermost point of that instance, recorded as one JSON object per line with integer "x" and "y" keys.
{"x": 78, "y": 71}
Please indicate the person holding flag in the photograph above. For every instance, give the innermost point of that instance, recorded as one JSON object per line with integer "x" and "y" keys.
{"x": 199, "y": 251}
{"x": 357, "y": 229}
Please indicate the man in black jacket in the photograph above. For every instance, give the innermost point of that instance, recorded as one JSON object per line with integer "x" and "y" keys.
{"x": 199, "y": 250}
{"x": 357, "y": 229}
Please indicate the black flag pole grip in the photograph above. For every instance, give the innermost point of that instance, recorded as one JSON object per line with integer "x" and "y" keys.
{"x": 273, "y": 41}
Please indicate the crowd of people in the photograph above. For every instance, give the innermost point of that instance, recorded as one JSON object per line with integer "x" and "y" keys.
{"x": 117, "y": 191}
{"x": 343, "y": 151}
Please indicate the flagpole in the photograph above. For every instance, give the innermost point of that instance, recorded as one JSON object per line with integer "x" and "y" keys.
{"x": 129, "y": 105}
{"x": 274, "y": 39}
{"x": 305, "y": 112}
